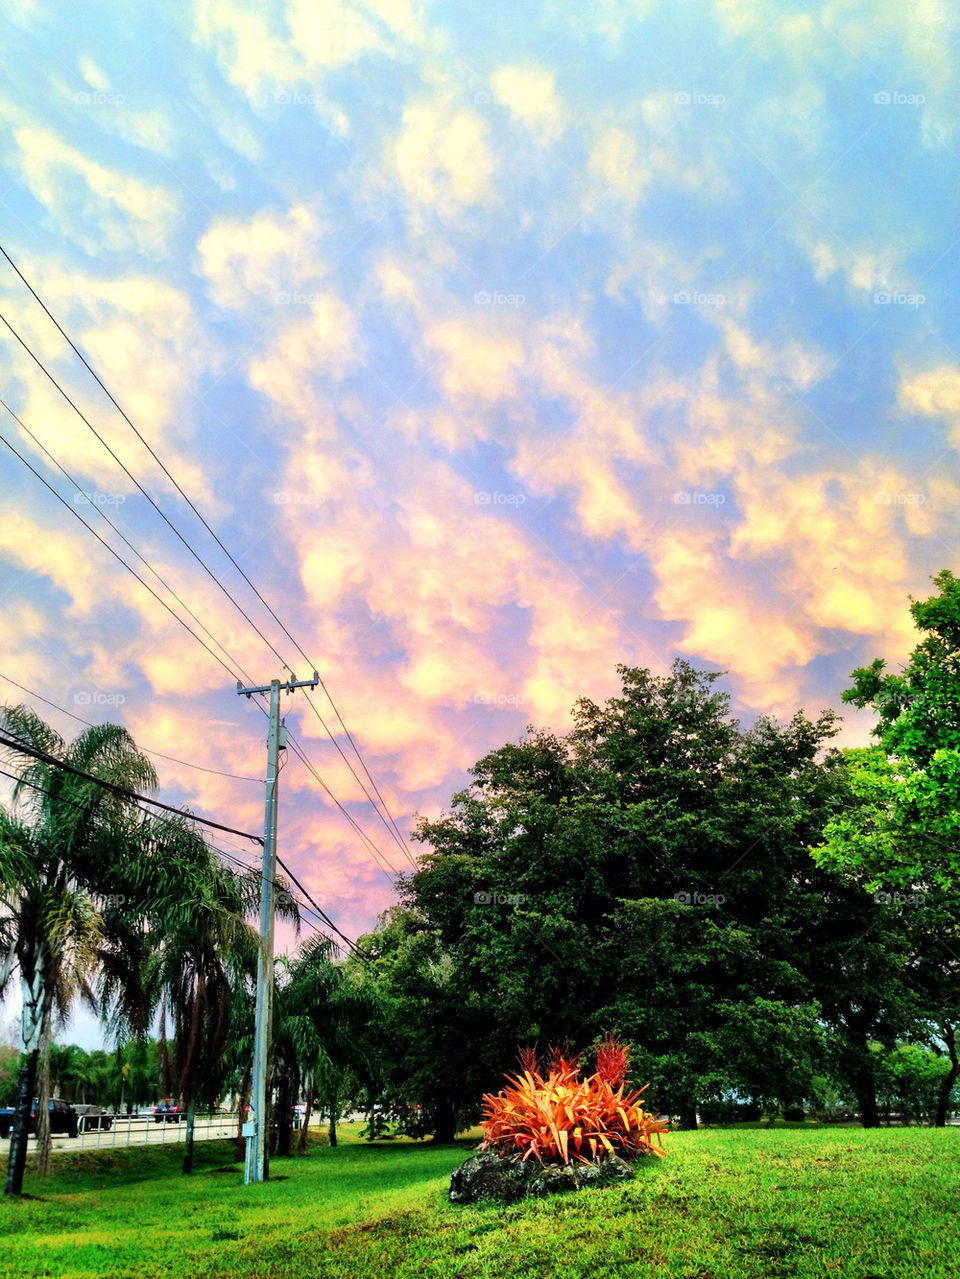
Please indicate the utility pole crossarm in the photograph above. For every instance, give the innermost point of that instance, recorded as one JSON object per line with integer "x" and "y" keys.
{"x": 288, "y": 687}
{"x": 256, "y": 1130}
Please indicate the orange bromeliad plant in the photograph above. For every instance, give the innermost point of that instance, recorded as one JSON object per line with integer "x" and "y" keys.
{"x": 559, "y": 1118}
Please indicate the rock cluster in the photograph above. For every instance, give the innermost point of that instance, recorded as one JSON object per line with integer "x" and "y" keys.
{"x": 486, "y": 1175}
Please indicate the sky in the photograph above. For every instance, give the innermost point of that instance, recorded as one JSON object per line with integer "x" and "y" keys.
{"x": 500, "y": 343}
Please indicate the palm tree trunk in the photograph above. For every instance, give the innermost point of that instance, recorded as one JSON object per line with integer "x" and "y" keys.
{"x": 43, "y": 1105}
{"x": 164, "y": 1054}
{"x": 302, "y": 1139}
{"x": 285, "y": 1093}
{"x": 21, "y": 1124}
{"x": 35, "y": 1012}
{"x": 188, "y": 1142}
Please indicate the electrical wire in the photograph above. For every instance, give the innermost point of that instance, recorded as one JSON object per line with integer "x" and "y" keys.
{"x": 103, "y": 515}
{"x": 126, "y": 470}
{"x": 200, "y": 768}
{"x": 24, "y": 748}
{"x": 93, "y": 373}
{"x": 115, "y": 554}
{"x": 22, "y": 781}
{"x": 232, "y": 673}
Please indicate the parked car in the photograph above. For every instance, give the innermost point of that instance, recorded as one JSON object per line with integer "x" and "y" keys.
{"x": 92, "y": 1117}
{"x": 167, "y": 1112}
{"x": 63, "y": 1118}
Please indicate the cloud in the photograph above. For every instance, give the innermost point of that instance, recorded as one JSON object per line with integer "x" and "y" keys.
{"x": 614, "y": 162}
{"x": 935, "y": 393}
{"x": 441, "y": 159}
{"x": 267, "y": 259}
{"x": 530, "y": 95}
{"x": 79, "y": 192}
{"x": 142, "y": 335}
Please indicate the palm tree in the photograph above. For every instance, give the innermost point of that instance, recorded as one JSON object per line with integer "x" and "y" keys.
{"x": 202, "y": 968}
{"x": 321, "y": 1012}
{"x": 60, "y": 850}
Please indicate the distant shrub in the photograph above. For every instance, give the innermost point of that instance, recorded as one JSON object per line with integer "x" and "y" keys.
{"x": 725, "y": 1110}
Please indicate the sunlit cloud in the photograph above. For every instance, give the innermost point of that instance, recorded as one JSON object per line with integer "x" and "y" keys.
{"x": 497, "y": 352}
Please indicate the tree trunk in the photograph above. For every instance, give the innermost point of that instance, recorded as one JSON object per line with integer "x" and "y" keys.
{"x": 445, "y": 1124}
{"x": 866, "y": 1094}
{"x": 188, "y": 1142}
{"x": 246, "y": 1083}
{"x": 949, "y": 1079}
{"x": 688, "y": 1115}
{"x": 33, "y": 1018}
{"x": 19, "y": 1133}
{"x": 284, "y": 1118}
{"x": 43, "y": 1106}
{"x": 371, "y": 1114}
{"x": 333, "y": 1101}
{"x": 308, "y": 1108}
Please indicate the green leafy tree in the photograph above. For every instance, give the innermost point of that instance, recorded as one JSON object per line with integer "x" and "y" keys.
{"x": 649, "y": 871}
{"x": 898, "y": 839}
{"x": 322, "y": 1013}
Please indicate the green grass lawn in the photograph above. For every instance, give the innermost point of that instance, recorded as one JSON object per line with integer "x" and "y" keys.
{"x": 723, "y": 1204}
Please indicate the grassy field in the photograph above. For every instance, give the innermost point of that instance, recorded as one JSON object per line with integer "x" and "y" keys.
{"x": 723, "y": 1204}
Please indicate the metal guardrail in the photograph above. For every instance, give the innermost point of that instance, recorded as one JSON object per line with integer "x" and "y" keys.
{"x": 146, "y": 1130}
{"x": 141, "y": 1130}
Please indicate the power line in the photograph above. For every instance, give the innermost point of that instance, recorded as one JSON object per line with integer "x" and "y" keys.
{"x": 24, "y": 748}
{"x": 158, "y": 754}
{"x": 22, "y": 781}
{"x": 385, "y": 864}
{"x": 314, "y": 909}
{"x": 103, "y": 515}
{"x": 115, "y": 554}
{"x": 318, "y": 910}
{"x": 126, "y": 470}
{"x": 392, "y": 831}
{"x": 192, "y": 551}
{"x": 90, "y": 369}
{"x": 231, "y": 673}
{"x": 179, "y": 619}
